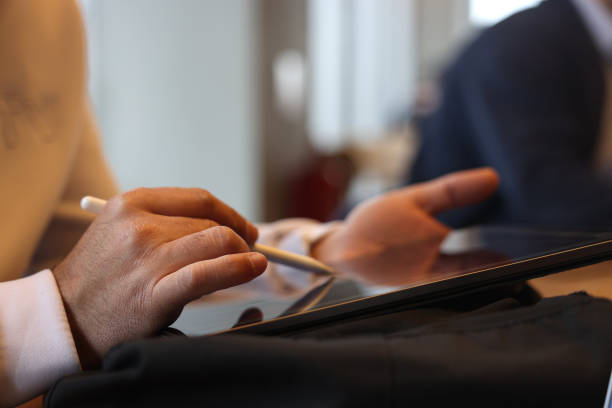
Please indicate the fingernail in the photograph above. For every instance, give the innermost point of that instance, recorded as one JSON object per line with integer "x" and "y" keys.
{"x": 258, "y": 262}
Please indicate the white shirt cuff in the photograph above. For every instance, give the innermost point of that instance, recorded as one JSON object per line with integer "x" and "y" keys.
{"x": 295, "y": 235}
{"x": 36, "y": 344}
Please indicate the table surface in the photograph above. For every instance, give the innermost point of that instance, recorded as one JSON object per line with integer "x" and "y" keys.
{"x": 595, "y": 279}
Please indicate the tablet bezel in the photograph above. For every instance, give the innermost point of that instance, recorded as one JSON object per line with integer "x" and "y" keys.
{"x": 435, "y": 291}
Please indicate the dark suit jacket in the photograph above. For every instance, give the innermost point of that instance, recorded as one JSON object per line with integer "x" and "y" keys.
{"x": 553, "y": 354}
{"x": 525, "y": 97}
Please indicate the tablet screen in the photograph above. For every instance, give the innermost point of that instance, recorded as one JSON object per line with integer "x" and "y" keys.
{"x": 467, "y": 258}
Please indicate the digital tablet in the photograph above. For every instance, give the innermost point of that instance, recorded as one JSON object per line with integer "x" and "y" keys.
{"x": 468, "y": 261}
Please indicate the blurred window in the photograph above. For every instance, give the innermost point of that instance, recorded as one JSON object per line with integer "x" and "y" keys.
{"x": 362, "y": 70}
{"x": 488, "y": 12}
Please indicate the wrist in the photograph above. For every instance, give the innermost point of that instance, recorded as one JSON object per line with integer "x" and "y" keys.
{"x": 84, "y": 346}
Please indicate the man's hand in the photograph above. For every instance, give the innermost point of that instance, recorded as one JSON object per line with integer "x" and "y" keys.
{"x": 149, "y": 253}
{"x": 394, "y": 236}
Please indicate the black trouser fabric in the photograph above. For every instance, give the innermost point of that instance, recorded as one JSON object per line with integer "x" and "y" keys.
{"x": 557, "y": 352}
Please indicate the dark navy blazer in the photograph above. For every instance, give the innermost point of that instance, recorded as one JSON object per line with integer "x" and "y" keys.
{"x": 525, "y": 97}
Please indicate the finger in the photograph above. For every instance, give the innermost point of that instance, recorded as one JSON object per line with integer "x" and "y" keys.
{"x": 454, "y": 190}
{"x": 202, "y": 245}
{"x": 189, "y": 202}
{"x": 251, "y": 315}
{"x": 174, "y": 228}
{"x": 201, "y": 278}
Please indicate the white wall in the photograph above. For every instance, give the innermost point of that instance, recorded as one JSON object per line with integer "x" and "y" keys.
{"x": 173, "y": 83}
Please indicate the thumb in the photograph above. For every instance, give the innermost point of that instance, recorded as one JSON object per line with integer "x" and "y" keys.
{"x": 455, "y": 190}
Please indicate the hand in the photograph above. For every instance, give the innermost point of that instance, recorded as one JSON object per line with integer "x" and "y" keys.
{"x": 393, "y": 237}
{"x": 149, "y": 253}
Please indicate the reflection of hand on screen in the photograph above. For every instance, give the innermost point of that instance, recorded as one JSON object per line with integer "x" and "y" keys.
{"x": 457, "y": 264}
{"x": 394, "y": 235}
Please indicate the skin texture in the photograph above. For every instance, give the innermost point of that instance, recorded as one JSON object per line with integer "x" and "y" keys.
{"x": 149, "y": 253}
{"x": 396, "y": 232}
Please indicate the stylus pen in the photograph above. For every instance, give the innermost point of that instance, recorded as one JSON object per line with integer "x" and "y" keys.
{"x": 95, "y": 205}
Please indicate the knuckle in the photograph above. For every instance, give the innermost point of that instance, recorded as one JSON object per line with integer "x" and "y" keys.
{"x": 240, "y": 268}
{"x": 136, "y": 193}
{"x": 125, "y": 202}
{"x": 240, "y": 263}
{"x": 196, "y": 280}
{"x": 227, "y": 240}
{"x": 188, "y": 277}
{"x": 205, "y": 199}
{"x": 189, "y": 248}
{"x": 140, "y": 232}
{"x": 116, "y": 205}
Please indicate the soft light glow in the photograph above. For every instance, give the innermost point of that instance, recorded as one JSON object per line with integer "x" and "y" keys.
{"x": 289, "y": 83}
{"x": 487, "y": 12}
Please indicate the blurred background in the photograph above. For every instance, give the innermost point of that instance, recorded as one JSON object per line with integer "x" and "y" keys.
{"x": 279, "y": 107}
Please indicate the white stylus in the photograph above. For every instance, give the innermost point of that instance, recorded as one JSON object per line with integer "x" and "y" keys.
{"x": 96, "y": 205}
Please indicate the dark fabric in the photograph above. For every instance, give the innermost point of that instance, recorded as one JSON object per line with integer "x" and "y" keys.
{"x": 555, "y": 353}
{"x": 525, "y": 97}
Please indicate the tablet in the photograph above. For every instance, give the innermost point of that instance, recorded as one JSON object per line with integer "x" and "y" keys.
{"x": 468, "y": 261}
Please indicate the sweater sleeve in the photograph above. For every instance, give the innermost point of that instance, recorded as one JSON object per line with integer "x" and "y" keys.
{"x": 36, "y": 344}
{"x": 89, "y": 175}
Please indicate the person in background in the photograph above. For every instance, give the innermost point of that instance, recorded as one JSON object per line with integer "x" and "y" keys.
{"x": 532, "y": 98}
{"x": 151, "y": 250}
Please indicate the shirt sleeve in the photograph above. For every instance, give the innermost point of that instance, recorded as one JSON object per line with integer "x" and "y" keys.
{"x": 36, "y": 344}
{"x": 296, "y": 235}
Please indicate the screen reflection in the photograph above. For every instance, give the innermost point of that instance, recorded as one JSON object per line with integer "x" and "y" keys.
{"x": 462, "y": 252}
